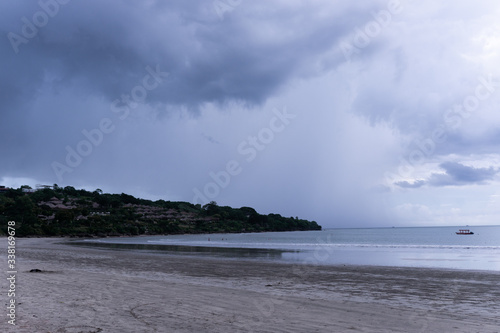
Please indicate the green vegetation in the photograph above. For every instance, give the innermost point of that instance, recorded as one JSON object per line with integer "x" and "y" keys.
{"x": 57, "y": 211}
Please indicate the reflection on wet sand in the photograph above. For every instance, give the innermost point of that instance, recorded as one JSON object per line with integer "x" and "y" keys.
{"x": 227, "y": 252}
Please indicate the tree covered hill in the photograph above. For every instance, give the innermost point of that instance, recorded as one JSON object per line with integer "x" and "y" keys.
{"x": 58, "y": 211}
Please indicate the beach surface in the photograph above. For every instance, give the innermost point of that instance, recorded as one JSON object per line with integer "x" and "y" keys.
{"x": 82, "y": 289}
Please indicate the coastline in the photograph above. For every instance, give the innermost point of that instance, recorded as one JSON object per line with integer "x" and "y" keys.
{"x": 82, "y": 289}
{"x": 423, "y": 248}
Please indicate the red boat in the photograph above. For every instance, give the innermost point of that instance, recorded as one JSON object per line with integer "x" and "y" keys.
{"x": 464, "y": 232}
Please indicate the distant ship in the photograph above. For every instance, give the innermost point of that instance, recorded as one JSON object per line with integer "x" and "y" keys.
{"x": 464, "y": 232}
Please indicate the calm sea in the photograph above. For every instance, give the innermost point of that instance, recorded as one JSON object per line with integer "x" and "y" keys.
{"x": 434, "y": 247}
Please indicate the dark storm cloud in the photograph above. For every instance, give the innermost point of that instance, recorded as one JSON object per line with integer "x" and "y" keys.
{"x": 100, "y": 50}
{"x": 103, "y": 47}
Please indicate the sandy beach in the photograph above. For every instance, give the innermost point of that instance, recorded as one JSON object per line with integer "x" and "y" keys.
{"x": 87, "y": 290}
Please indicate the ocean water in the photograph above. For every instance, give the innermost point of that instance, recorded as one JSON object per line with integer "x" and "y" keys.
{"x": 433, "y": 247}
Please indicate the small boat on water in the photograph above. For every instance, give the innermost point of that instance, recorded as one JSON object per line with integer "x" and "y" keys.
{"x": 464, "y": 232}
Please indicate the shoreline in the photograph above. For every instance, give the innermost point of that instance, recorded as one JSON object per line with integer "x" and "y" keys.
{"x": 83, "y": 289}
{"x": 456, "y": 257}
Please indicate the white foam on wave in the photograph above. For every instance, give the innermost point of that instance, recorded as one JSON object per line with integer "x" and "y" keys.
{"x": 312, "y": 246}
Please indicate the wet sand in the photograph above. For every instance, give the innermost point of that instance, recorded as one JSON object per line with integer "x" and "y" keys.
{"x": 84, "y": 289}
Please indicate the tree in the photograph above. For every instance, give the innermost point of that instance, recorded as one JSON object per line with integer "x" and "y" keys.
{"x": 211, "y": 208}
{"x": 143, "y": 216}
{"x": 64, "y": 216}
{"x": 70, "y": 190}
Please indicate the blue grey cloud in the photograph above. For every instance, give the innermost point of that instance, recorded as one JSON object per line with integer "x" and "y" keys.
{"x": 458, "y": 174}
{"x": 415, "y": 184}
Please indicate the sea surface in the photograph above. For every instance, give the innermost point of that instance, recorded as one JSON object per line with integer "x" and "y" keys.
{"x": 433, "y": 247}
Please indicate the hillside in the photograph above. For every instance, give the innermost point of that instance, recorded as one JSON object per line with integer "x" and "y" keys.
{"x": 57, "y": 211}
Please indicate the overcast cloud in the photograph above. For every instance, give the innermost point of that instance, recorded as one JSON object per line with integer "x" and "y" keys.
{"x": 377, "y": 113}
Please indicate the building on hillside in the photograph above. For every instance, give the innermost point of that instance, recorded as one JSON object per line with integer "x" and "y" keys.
{"x": 43, "y": 187}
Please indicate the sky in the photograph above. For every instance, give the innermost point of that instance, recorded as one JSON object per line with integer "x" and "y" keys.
{"x": 352, "y": 114}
